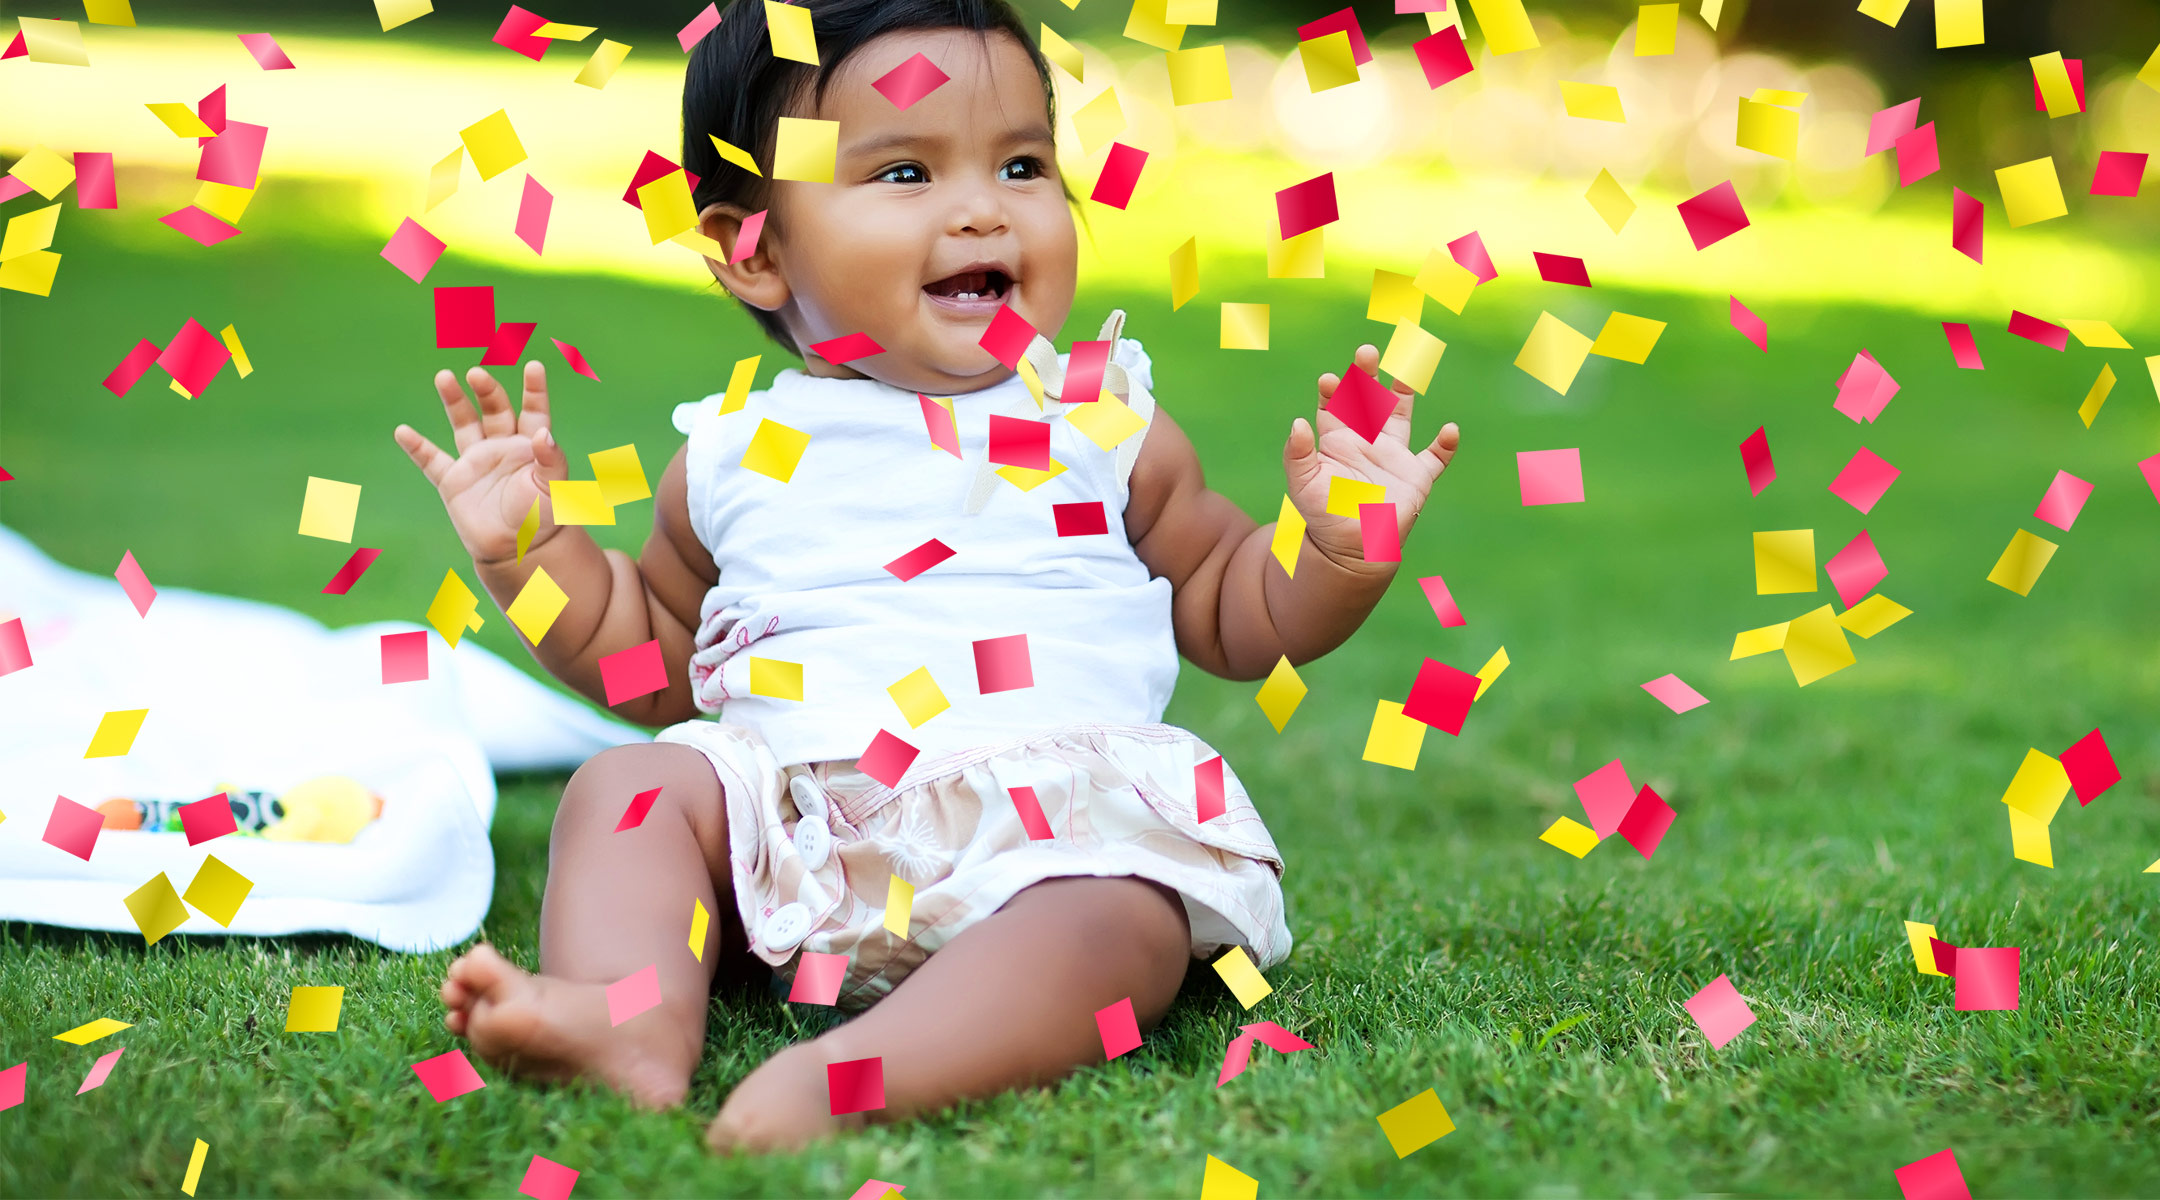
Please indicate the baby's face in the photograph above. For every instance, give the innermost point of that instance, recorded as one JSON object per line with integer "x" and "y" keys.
{"x": 938, "y": 215}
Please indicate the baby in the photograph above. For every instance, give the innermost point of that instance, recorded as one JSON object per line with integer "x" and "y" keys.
{"x": 939, "y": 782}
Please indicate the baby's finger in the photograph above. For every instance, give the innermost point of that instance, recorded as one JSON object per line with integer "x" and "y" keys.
{"x": 533, "y": 409}
{"x": 1328, "y": 383}
{"x": 1442, "y": 451}
{"x": 1368, "y": 358}
{"x": 425, "y": 454}
{"x": 464, "y": 426}
{"x": 496, "y": 418}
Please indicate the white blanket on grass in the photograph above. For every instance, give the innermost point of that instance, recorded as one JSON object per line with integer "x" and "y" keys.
{"x": 257, "y": 696}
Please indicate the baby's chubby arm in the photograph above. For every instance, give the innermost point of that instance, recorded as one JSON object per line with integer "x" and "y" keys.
{"x": 1234, "y": 609}
{"x": 504, "y": 462}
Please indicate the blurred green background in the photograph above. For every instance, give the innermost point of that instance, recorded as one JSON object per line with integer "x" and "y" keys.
{"x": 1440, "y": 944}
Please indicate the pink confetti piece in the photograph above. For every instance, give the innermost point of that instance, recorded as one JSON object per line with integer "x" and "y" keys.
{"x": 413, "y": 250}
{"x": 1674, "y": 693}
{"x": 1755, "y": 460}
{"x": 2064, "y": 500}
{"x": 13, "y": 1079}
{"x": 847, "y": 349}
{"x": 1963, "y": 351}
{"x": 73, "y": 828}
{"x": 1304, "y": 207}
{"x": 1208, "y": 802}
{"x": 628, "y": 674}
{"x": 1380, "y": 530}
{"x": 637, "y": 992}
{"x": 875, "y": 1189}
{"x": 1890, "y": 124}
{"x": 508, "y": 343}
{"x": 1019, "y": 442}
{"x": 1720, "y": 1012}
{"x": 2033, "y": 329}
{"x": 1864, "y": 480}
{"x": 2150, "y": 468}
{"x": 211, "y": 109}
{"x": 200, "y": 226}
{"x": 887, "y": 759}
{"x": 1968, "y": 224}
{"x": 15, "y": 49}
{"x": 516, "y": 33}
{"x": 1441, "y": 696}
{"x": 405, "y": 657}
{"x": 234, "y": 157}
{"x": 94, "y": 180}
{"x": 640, "y": 804}
{"x": 1987, "y": 978}
{"x": 2116, "y": 173}
{"x": 857, "y": 1085}
{"x": 1713, "y": 216}
{"x": 1442, "y": 601}
{"x": 1550, "y": 476}
{"x": 818, "y": 978}
{"x": 918, "y": 560}
{"x": 349, "y": 574}
{"x": 464, "y": 317}
{"x": 1341, "y": 21}
{"x": 1917, "y": 155}
{"x": 546, "y": 1179}
{"x": 938, "y": 422}
{"x": 1080, "y": 518}
{"x": 14, "y": 647}
{"x": 100, "y": 1071}
{"x": 267, "y": 53}
{"x": 1646, "y": 821}
{"x": 194, "y": 357}
{"x": 1606, "y": 796}
{"x": 1559, "y": 268}
{"x": 1856, "y": 570}
{"x": 747, "y": 235}
{"x": 1469, "y": 253}
{"x": 2091, "y": 767}
{"x": 1120, "y": 174}
{"x": 1008, "y": 336}
{"x": 1236, "y": 1057}
{"x": 534, "y": 206}
{"x": 209, "y": 818}
{"x": 1030, "y": 808}
{"x": 1442, "y": 57}
{"x": 699, "y": 26}
{"x": 1275, "y": 1037}
{"x": 1084, "y": 368}
{"x": 1362, "y": 403}
{"x": 576, "y": 358}
{"x": 1002, "y": 664}
{"x": 448, "y": 1076}
{"x": 1119, "y": 1027}
{"x": 910, "y": 81}
{"x": 1751, "y": 327}
{"x": 1865, "y": 389}
{"x": 1935, "y": 1177}
{"x": 135, "y": 583}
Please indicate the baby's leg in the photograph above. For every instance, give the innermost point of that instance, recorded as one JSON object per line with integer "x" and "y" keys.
{"x": 616, "y": 903}
{"x": 1008, "y": 1003}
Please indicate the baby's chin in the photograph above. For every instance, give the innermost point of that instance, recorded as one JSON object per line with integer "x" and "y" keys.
{"x": 949, "y": 366}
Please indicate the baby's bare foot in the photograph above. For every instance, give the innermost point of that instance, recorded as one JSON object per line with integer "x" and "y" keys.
{"x": 783, "y": 1105}
{"x": 545, "y": 1028}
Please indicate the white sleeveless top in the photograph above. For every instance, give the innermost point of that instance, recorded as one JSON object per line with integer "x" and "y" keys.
{"x": 803, "y": 578}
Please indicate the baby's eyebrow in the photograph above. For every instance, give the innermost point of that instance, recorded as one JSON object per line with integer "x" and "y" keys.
{"x": 1018, "y": 135}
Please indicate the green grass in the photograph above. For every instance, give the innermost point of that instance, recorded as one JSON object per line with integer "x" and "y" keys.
{"x": 1438, "y": 940}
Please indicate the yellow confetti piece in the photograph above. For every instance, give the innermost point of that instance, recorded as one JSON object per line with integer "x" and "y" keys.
{"x": 1657, "y": 29}
{"x": 239, "y": 352}
{"x": 699, "y": 920}
{"x": 1570, "y": 835}
{"x": 443, "y": 178}
{"x": 2053, "y": 77}
{"x": 2031, "y": 192}
{"x": 668, "y": 208}
{"x": 1395, "y": 299}
{"x": 1242, "y": 977}
{"x": 1099, "y": 120}
{"x": 899, "y": 905}
{"x": 1221, "y": 1181}
{"x": 1505, "y": 25}
{"x": 1494, "y": 668}
{"x": 30, "y": 231}
{"x": 1289, "y": 537}
{"x": 1301, "y": 257}
{"x": 538, "y": 603}
{"x": 736, "y": 154}
{"x": 1189, "y": 12}
{"x": 1768, "y": 129}
{"x": 1184, "y": 273}
{"x": 1329, "y": 61}
{"x": 1784, "y": 562}
{"x": 1027, "y": 479}
{"x": 2039, "y": 786}
{"x": 393, "y": 13}
{"x": 493, "y": 144}
{"x": 579, "y": 502}
{"x": 600, "y": 68}
{"x": 1280, "y": 696}
{"x": 1200, "y": 75}
{"x": 2096, "y": 334}
{"x": 738, "y": 384}
{"x": 1815, "y": 646}
{"x": 806, "y": 149}
{"x": 1959, "y": 23}
{"x": 83, "y": 1035}
{"x": 776, "y": 678}
{"x": 56, "y": 42}
{"x": 1445, "y": 280}
{"x": 2021, "y": 563}
{"x": 1614, "y": 206}
{"x": 528, "y": 529}
{"x": 1244, "y": 326}
{"x": 30, "y": 273}
{"x": 181, "y": 120}
{"x": 116, "y": 733}
{"x": 45, "y": 170}
{"x": 1148, "y": 24}
{"x": 555, "y": 32}
{"x": 1873, "y": 615}
{"x": 2029, "y": 841}
{"x": 217, "y": 890}
{"x": 1752, "y": 642}
{"x": 1889, "y": 12}
{"x": 109, "y": 12}
{"x": 1711, "y": 10}
{"x": 1554, "y": 353}
{"x": 329, "y": 509}
{"x": 1107, "y": 421}
{"x": 156, "y": 908}
{"x": 454, "y": 610}
{"x": 2149, "y": 74}
{"x": 1412, "y": 356}
{"x": 1627, "y": 338}
{"x": 918, "y": 697}
{"x": 1923, "y": 955}
{"x": 775, "y": 449}
{"x": 1063, "y": 53}
{"x": 1778, "y": 96}
{"x": 1416, "y": 1123}
{"x": 620, "y": 476}
{"x": 1345, "y": 494}
{"x": 792, "y": 36}
{"x": 314, "y": 1009}
{"x": 195, "y": 1166}
{"x": 1592, "y": 101}
{"x": 1394, "y": 739}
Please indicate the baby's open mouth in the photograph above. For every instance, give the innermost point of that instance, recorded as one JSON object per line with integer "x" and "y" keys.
{"x": 972, "y": 285}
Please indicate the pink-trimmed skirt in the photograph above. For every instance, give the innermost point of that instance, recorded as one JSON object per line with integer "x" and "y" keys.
{"x": 1118, "y": 800}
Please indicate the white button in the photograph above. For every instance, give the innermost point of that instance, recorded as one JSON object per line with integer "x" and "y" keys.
{"x": 813, "y": 840}
{"x": 786, "y": 928}
{"x": 809, "y": 797}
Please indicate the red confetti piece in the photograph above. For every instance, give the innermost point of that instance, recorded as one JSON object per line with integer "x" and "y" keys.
{"x": 1362, "y": 403}
{"x": 1443, "y": 57}
{"x": 576, "y": 358}
{"x": 1008, "y": 336}
{"x": 920, "y": 559}
{"x": 1080, "y": 519}
{"x": 404, "y": 657}
{"x": 1002, "y": 664}
{"x": 1559, "y": 268}
{"x": 910, "y": 81}
{"x": 140, "y": 359}
{"x": 350, "y": 573}
{"x": 629, "y": 674}
{"x": 1208, "y": 801}
{"x": 508, "y": 343}
{"x": 1307, "y": 206}
{"x": 846, "y": 349}
{"x": 640, "y": 804}
{"x": 464, "y": 317}
{"x": 204, "y": 228}
{"x": 1120, "y": 174}
{"x": 209, "y": 818}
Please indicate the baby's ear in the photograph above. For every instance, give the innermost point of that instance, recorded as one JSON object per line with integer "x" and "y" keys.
{"x": 757, "y": 279}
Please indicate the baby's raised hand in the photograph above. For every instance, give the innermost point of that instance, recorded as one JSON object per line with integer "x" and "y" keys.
{"x": 504, "y": 461}
{"x": 1310, "y": 462}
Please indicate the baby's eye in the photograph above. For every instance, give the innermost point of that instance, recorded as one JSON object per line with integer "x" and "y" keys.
{"x": 904, "y": 173}
{"x": 1022, "y": 168}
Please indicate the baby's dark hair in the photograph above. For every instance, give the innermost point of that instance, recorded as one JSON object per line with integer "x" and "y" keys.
{"x": 737, "y": 90}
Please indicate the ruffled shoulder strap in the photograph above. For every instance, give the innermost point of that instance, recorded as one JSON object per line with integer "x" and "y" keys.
{"x": 1126, "y": 376}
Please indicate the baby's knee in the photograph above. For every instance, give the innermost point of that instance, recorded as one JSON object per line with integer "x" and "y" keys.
{"x": 610, "y": 788}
